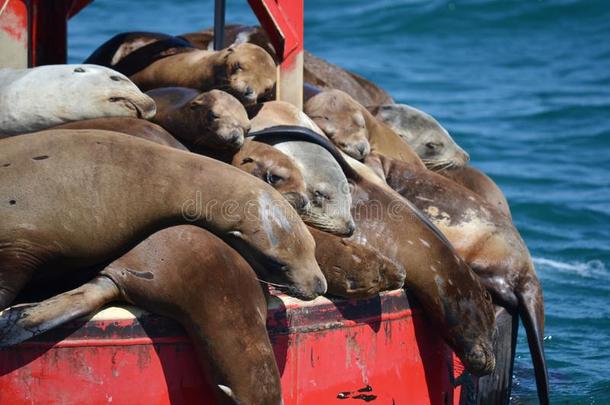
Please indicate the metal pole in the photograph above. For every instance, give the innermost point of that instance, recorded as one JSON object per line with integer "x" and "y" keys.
{"x": 219, "y": 24}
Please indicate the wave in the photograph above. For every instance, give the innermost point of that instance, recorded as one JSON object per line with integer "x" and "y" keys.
{"x": 590, "y": 269}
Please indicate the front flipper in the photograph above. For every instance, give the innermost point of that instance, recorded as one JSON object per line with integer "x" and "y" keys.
{"x": 23, "y": 322}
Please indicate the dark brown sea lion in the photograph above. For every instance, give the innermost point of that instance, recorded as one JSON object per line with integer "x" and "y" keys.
{"x": 438, "y": 151}
{"x": 452, "y": 296}
{"x": 214, "y": 119}
{"x": 486, "y": 239}
{"x": 111, "y": 199}
{"x": 354, "y": 129}
{"x": 246, "y": 71}
{"x": 190, "y": 275}
{"x": 131, "y": 126}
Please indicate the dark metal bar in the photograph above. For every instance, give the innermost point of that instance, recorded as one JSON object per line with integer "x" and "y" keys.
{"x": 219, "y": 24}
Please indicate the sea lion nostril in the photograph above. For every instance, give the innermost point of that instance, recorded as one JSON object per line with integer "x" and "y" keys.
{"x": 249, "y": 91}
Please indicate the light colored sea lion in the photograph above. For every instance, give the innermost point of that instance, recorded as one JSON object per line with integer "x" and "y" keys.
{"x": 354, "y": 129}
{"x": 183, "y": 272}
{"x": 327, "y": 187}
{"x": 214, "y": 119}
{"x": 246, "y": 71}
{"x": 438, "y": 151}
{"x": 486, "y": 239}
{"x": 351, "y": 270}
{"x": 394, "y": 228}
{"x": 46, "y": 96}
{"x": 132, "y": 126}
{"x": 111, "y": 198}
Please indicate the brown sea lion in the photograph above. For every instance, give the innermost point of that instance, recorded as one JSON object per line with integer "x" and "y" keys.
{"x": 188, "y": 274}
{"x": 438, "y": 150}
{"x": 354, "y": 129}
{"x": 131, "y": 126}
{"x": 486, "y": 239}
{"x": 452, "y": 296}
{"x": 246, "y": 71}
{"x": 214, "y": 119}
{"x": 110, "y": 199}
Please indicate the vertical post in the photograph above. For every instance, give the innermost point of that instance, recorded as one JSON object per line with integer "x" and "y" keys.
{"x": 283, "y": 22}
{"x": 219, "y": 24}
{"x": 13, "y": 34}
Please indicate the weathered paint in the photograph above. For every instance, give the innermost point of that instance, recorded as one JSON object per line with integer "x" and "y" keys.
{"x": 378, "y": 350}
{"x": 13, "y": 34}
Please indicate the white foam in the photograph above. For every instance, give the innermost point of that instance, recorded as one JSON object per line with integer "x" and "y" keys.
{"x": 590, "y": 269}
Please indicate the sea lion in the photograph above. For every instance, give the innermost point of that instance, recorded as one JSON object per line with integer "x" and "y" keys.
{"x": 111, "y": 199}
{"x": 397, "y": 230}
{"x": 183, "y": 272}
{"x": 438, "y": 151}
{"x": 127, "y": 125}
{"x": 351, "y": 270}
{"x": 45, "y": 96}
{"x": 214, "y": 119}
{"x": 327, "y": 187}
{"x": 486, "y": 239}
{"x": 354, "y": 129}
{"x": 316, "y": 71}
{"x": 246, "y": 71}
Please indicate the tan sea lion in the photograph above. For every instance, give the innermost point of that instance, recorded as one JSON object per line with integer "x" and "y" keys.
{"x": 132, "y": 126}
{"x": 354, "y": 129}
{"x": 214, "y": 119}
{"x": 448, "y": 290}
{"x": 111, "y": 199}
{"x": 246, "y": 71}
{"x": 46, "y": 96}
{"x": 486, "y": 239}
{"x": 438, "y": 151}
{"x": 183, "y": 272}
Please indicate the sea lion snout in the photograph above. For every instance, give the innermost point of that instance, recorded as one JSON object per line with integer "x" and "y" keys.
{"x": 480, "y": 360}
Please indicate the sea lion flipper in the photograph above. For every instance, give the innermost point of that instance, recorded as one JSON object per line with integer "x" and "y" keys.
{"x": 496, "y": 387}
{"x": 23, "y": 322}
{"x": 531, "y": 311}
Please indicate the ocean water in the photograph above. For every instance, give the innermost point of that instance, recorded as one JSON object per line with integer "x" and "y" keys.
{"x": 523, "y": 85}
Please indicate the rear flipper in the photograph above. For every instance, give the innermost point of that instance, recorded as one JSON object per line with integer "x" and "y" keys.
{"x": 494, "y": 389}
{"x": 531, "y": 310}
{"x": 23, "y": 322}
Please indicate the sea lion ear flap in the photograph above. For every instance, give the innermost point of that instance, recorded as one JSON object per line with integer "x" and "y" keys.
{"x": 198, "y": 103}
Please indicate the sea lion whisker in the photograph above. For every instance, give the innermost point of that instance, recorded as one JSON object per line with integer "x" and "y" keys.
{"x": 272, "y": 284}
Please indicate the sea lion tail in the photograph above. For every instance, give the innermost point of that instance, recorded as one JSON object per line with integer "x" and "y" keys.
{"x": 23, "y": 322}
{"x": 531, "y": 311}
{"x": 495, "y": 389}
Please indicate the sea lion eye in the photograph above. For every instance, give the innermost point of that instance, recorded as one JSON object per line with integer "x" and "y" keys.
{"x": 320, "y": 195}
{"x": 237, "y": 67}
{"x": 115, "y": 99}
{"x": 247, "y": 160}
{"x": 212, "y": 115}
{"x": 274, "y": 179}
{"x": 433, "y": 145}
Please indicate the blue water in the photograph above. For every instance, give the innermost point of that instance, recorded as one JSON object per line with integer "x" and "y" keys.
{"x": 524, "y": 86}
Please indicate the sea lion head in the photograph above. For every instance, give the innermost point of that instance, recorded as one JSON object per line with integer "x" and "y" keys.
{"x": 342, "y": 119}
{"x": 275, "y": 241}
{"x": 424, "y": 134}
{"x": 101, "y": 92}
{"x": 249, "y": 72}
{"x": 221, "y": 120}
{"x": 327, "y": 187}
{"x": 276, "y": 169}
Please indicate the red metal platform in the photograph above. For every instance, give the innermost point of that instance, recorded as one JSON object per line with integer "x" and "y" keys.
{"x": 323, "y": 348}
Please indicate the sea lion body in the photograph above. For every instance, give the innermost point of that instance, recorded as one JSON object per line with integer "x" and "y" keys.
{"x": 213, "y": 119}
{"x": 46, "y": 96}
{"x": 132, "y": 126}
{"x": 246, "y": 71}
{"x": 181, "y": 272}
{"x": 438, "y": 150}
{"x": 111, "y": 196}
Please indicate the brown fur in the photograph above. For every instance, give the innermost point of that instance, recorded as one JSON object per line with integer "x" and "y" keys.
{"x": 131, "y": 126}
{"x": 210, "y": 120}
{"x": 354, "y": 129}
{"x": 90, "y": 196}
{"x": 246, "y": 71}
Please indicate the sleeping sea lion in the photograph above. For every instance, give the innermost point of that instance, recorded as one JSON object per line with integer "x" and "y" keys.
{"x": 214, "y": 119}
{"x": 46, "y": 96}
{"x": 110, "y": 199}
{"x": 181, "y": 272}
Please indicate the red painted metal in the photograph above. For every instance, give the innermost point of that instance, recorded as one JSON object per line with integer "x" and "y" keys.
{"x": 13, "y": 34}
{"x": 323, "y": 348}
